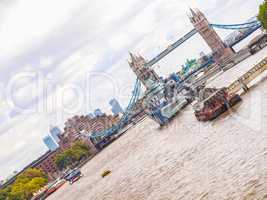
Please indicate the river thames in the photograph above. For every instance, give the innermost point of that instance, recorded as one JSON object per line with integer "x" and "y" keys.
{"x": 187, "y": 160}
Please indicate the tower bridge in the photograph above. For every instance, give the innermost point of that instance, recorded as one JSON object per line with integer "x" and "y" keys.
{"x": 220, "y": 50}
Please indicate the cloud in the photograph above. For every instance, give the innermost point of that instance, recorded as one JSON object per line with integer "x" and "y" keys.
{"x": 30, "y": 20}
{"x": 46, "y": 62}
{"x": 21, "y": 142}
{"x": 65, "y": 41}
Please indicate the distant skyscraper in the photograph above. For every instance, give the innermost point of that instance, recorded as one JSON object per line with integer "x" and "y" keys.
{"x": 50, "y": 143}
{"x": 98, "y": 112}
{"x": 55, "y": 132}
{"x": 91, "y": 115}
{"x": 116, "y": 108}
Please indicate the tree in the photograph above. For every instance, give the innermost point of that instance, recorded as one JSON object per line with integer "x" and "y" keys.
{"x": 18, "y": 192}
{"x": 81, "y": 145}
{"x": 62, "y": 161}
{"x": 30, "y": 181}
{"x": 31, "y": 173}
{"x": 262, "y": 16}
{"x": 35, "y": 184}
{"x": 4, "y": 193}
{"x": 72, "y": 155}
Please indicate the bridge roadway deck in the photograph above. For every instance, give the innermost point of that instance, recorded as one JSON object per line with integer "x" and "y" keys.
{"x": 248, "y": 77}
{"x": 187, "y": 160}
{"x": 247, "y": 71}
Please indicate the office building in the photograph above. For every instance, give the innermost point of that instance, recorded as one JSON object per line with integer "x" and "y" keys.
{"x": 47, "y": 163}
{"x": 98, "y": 113}
{"x": 115, "y": 107}
{"x": 50, "y": 143}
{"x": 55, "y": 133}
{"x": 91, "y": 115}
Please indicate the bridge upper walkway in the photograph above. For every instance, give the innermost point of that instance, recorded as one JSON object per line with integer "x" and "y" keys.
{"x": 172, "y": 47}
{"x": 244, "y": 30}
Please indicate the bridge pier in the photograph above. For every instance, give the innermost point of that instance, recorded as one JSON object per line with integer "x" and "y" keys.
{"x": 243, "y": 85}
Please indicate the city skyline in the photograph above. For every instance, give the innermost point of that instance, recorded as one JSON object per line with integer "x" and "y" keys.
{"x": 152, "y": 36}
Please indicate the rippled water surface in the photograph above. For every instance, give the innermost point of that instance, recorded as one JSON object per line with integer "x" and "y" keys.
{"x": 223, "y": 159}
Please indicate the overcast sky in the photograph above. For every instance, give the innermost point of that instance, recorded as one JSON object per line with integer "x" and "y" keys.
{"x": 59, "y": 58}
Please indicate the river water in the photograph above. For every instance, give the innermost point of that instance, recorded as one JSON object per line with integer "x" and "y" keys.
{"x": 224, "y": 159}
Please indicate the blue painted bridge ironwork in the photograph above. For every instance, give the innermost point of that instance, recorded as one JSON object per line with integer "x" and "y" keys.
{"x": 243, "y": 31}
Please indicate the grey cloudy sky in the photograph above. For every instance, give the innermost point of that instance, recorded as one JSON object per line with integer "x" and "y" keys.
{"x": 59, "y": 58}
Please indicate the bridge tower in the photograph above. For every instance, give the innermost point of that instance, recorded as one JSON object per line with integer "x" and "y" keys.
{"x": 146, "y": 75}
{"x": 202, "y": 25}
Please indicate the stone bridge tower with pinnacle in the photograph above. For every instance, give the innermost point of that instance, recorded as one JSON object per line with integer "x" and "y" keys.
{"x": 145, "y": 74}
{"x": 219, "y": 49}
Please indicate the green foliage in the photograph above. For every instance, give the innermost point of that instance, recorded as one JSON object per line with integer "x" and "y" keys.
{"x": 70, "y": 156}
{"x": 190, "y": 63}
{"x": 35, "y": 184}
{"x": 262, "y": 16}
{"x": 62, "y": 161}
{"x": 4, "y": 193}
{"x": 32, "y": 173}
{"x": 18, "y": 192}
{"x": 30, "y": 181}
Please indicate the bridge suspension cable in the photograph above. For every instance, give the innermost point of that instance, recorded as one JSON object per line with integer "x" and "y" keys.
{"x": 134, "y": 98}
{"x": 241, "y": 26}
{"x": 247, "y": 25}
